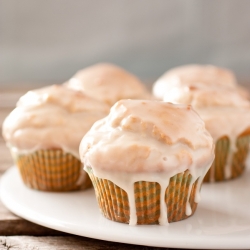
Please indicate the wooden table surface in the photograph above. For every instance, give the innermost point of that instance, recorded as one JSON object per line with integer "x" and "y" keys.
{"x": 17, "y": 233}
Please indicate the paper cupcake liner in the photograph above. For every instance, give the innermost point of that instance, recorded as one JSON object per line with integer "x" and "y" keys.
{"x": 114, "y": 205}
{"x": 217, "y": 170}
{"x": 51, "y": 170}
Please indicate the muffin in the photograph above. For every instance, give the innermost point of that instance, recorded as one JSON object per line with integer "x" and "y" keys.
{"x": 108, "y": 83}
{"x": 226, "y": 114}
{"x": 196, "y": 75}
{"x": 44, "y": 132}
{"x": 147, "y": 160}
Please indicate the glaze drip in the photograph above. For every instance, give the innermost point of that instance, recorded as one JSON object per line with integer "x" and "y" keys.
{"x": 148, "y": 141}
{"x": 225, "y": 113}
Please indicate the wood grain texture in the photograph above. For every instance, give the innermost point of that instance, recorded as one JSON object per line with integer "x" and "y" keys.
{"x": 64, "y": 243}
{"x": 20, "y": 226}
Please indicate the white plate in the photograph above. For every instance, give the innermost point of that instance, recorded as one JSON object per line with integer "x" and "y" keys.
{"x": 222, "y": 219}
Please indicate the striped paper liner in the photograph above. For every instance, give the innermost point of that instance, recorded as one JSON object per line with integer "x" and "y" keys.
{"x": 114, "y": 204}
{"x": 51, "y": 170}
{"x": 221, "y": 153}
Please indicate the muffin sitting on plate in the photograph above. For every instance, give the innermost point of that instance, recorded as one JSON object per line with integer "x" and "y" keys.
{"x": 108, "y": 83}
{"x": 44, "y": 132}
{"x": 147, "y": 160}
{"x": 225, "y": 110}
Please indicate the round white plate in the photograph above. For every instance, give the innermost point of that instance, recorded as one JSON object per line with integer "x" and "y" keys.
{"x": 222, "y": 219}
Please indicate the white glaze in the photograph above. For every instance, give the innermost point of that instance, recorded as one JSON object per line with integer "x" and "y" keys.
{"x": 225, "y": 112}
{"x": 108, "y": 83}
{"x": 226, "y": 121}
{"x": 193, "y": 74}
{"x": 222, "y": 219}
{"x": 203, "y": 96}
{"x": 51, "y": 117}
{"x": 126, "y": 182}
{"x": 209, "y": 90}
{"x": 148, "y": 141}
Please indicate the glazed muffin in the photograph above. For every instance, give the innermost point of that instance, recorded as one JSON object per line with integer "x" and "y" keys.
{"x": 44, "y": 132}
{"x": 226, "y": 114}
{"x": 147, "y": 160}
{"x": 196, "y": 75}
{"x": 108, "y": 83}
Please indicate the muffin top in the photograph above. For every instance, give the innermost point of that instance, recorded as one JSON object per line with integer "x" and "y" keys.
{"x": 225, "y": 111}
{"x": 201, "y": 96}
{"x": 193, "y": 75}
{"x": 147, "y": 136}
{"x": 51, "y": 117}
{"x": 108, "y": 83}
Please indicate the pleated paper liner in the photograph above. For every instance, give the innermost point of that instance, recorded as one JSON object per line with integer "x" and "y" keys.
{"x": 114, "y": 204}
{"x": 221, "y": 153}
{"x": 51, "y": 170}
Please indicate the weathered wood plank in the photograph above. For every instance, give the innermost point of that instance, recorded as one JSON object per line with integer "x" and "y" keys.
{"x": 24, "y": 227}
{"x": 64, "y": 243}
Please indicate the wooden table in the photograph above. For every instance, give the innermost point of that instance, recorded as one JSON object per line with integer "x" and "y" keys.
{"x": 17, "y": 233}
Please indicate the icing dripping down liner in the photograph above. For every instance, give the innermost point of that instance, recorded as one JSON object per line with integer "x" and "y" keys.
{"x": 149, "y": 197}
{"x": 179, "y": 199}
{"x": 230, "y": 159}
{"x": 215, "y": 224}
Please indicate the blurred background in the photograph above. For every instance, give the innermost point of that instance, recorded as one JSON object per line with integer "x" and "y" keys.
{"x": 44, "y": 41}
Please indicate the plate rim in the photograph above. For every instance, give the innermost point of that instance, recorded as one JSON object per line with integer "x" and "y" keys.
{"x": 186, "y": 243}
